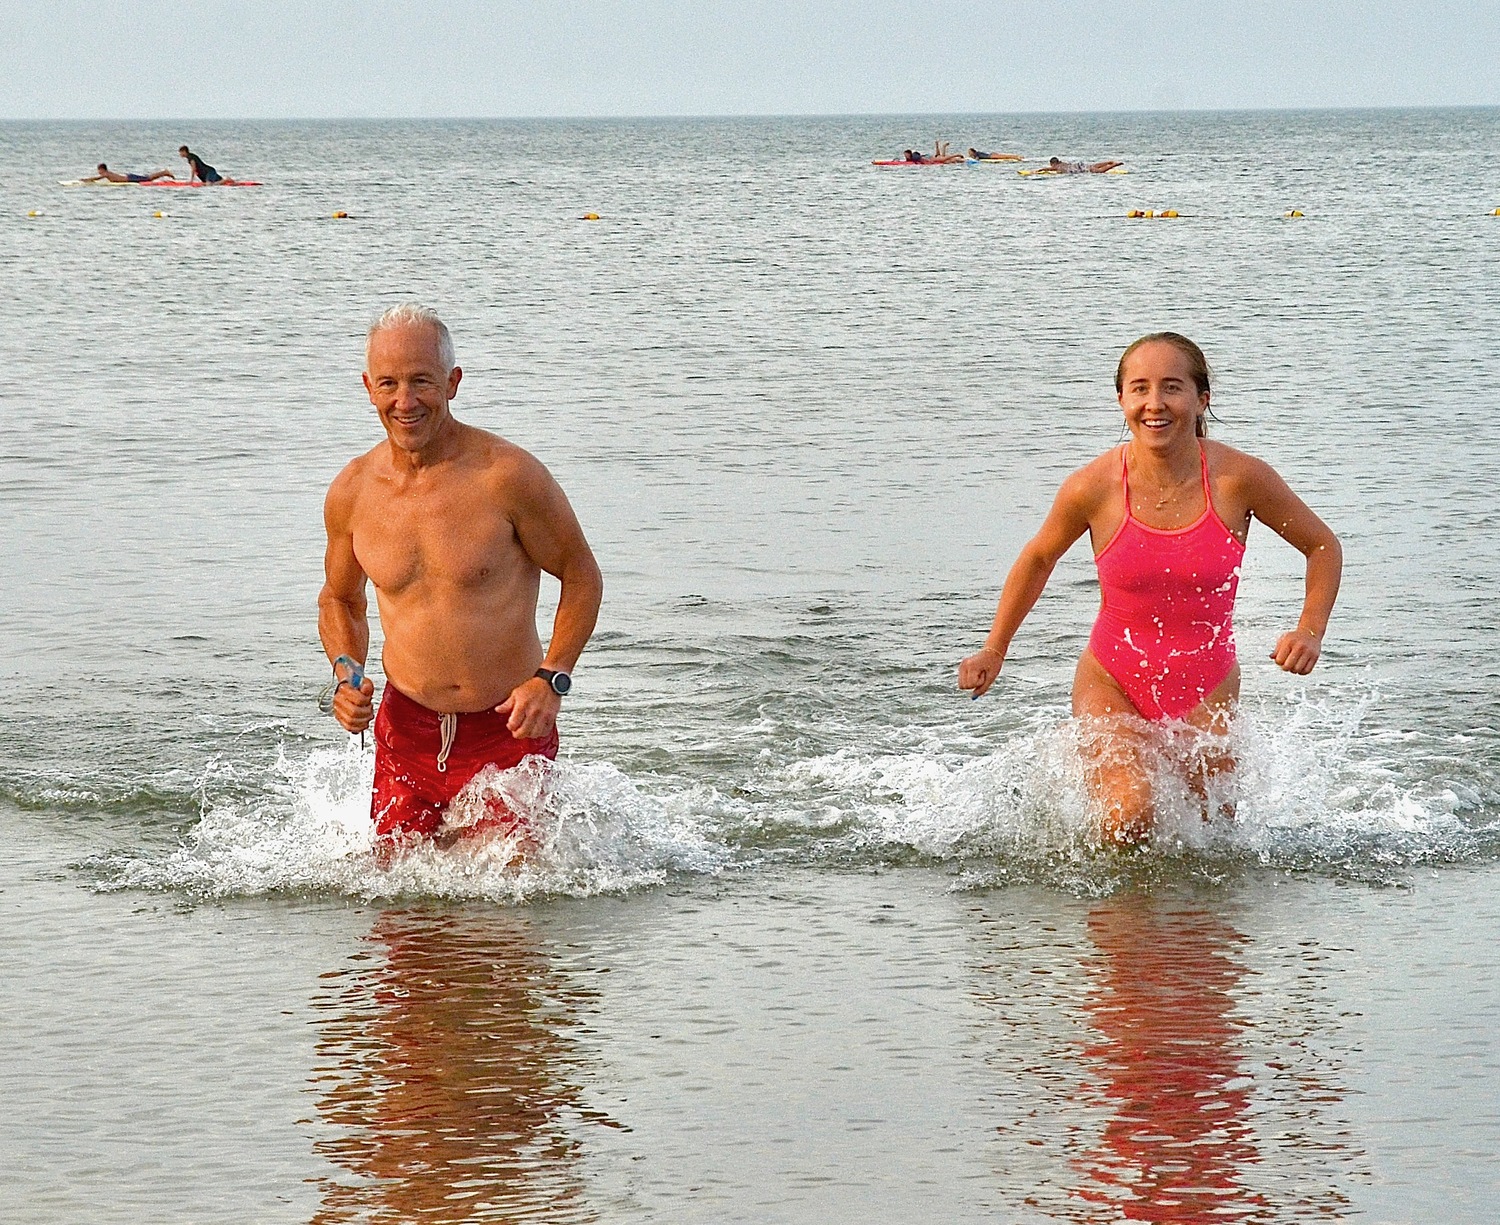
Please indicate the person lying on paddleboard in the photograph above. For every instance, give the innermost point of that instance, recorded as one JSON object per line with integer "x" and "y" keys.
{"x": 1057, "y": 166}
{"x": 1167, "y": 514}
{"x": 202, "y": 172}
{"x": 941, "y": 154}
{"x": 976, "y": 156}
{"x": 106, "y": 175}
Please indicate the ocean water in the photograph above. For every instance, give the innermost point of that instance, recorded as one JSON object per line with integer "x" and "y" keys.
{"x": 810, "y": 936}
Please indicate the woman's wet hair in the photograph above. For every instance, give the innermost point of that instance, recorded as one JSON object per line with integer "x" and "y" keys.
{"x": 1198, "y": 366}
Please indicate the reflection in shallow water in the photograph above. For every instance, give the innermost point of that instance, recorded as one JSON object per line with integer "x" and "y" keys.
{"x": 1178, "y": 1143}
{"x": 447, "y": 1068}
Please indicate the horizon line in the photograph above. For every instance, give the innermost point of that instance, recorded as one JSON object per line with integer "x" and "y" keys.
{"x": 734, "y": 115}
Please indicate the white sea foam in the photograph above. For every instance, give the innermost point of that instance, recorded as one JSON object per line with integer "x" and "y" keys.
{"x": 593, "y": 830}
{"x": 1316, "y": 788}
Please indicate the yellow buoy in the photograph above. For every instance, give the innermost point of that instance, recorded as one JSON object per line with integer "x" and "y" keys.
{"x": 37, "y": 213}
{"x": 1149, "y": 213}
{"x": 589, "y": 217}
{"x": 1135, "y": 212}
{"x": 158, "y": 214}
{"x": 1497, "y": 213}
{"x": 1292, "y": 212}
{"x": 1171, "y": 212}
{"x": 340, "y": 215}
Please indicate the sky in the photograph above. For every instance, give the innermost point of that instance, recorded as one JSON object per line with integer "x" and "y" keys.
{"x": 168, "y": 59}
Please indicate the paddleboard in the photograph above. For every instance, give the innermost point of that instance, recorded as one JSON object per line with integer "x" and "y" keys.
{"x": 1065, "y": 174}
{"x": 161, "y": 183}
{"x": 998, "y": 160}
{"x": 898, "y": 162}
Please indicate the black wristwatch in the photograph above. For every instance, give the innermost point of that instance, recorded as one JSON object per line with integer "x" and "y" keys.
{"x": 561, "y": 682}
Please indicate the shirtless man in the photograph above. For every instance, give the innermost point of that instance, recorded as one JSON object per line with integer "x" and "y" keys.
{"x": 1057, "y": 166}
{"x": 453, "y": 525}
{"x": 106, "y": 175}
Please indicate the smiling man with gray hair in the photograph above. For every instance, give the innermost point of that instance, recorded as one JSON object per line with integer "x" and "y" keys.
{"x": 453, "y": 526}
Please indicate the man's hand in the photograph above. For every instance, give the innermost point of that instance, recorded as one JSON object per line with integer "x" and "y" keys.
{"x": 978, "y": 672}
{"x": 532, "y": 707}
{"x": 1298, "y": 651}
{"x": 354, "y": 708}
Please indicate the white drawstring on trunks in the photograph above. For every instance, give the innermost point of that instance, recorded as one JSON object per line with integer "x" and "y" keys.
{"x": 448, "y": 727}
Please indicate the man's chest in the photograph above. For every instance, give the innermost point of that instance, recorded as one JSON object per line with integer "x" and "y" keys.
{"x": 405, "y": 541}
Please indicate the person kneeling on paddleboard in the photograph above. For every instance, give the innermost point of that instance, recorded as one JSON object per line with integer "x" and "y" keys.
{"x": 202, "y": 171}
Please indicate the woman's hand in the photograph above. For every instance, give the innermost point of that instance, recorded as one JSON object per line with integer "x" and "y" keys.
{"x": 978, "y": 672}
{"x": 1298, "y": 651}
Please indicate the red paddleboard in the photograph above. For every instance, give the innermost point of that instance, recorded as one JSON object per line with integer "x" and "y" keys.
{"x": 899, "y": 162}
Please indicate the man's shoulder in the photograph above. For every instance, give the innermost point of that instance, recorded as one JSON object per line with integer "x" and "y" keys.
{"x": 498, "y": 458}
{"x": 345, "y": 488}
{"x": 352, "y": 474}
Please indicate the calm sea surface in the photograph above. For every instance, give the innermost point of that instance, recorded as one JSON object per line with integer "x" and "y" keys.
{"x": 812, "y": 937}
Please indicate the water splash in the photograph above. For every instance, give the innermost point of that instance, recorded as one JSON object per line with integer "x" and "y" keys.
{"x": 309, "y": 830}
{"x": 1317, "y": 789}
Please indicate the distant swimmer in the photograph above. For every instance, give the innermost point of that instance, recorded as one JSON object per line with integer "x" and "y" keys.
{"x": 106, "y": 175}
{"x": 1057, "y": 166}
{"x": 453, "y": 525}
{"x": 1168, "y": 514}
{"x": 976, "y": 156}
{"x": 941, "y": 155}
{"x": 202, "y": 172}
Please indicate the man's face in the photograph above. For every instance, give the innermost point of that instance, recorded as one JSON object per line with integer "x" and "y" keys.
{"x": 409, "y": 386}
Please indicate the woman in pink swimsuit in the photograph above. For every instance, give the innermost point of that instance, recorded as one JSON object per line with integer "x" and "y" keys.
{"x": 1167, "y": 513}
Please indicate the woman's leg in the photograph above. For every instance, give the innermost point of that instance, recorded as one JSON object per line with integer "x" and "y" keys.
{"x": 1212, "y": 756}
{"x": 1113, "y": 753}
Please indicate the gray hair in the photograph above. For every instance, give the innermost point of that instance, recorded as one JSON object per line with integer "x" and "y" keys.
{"x": 410, "y": 314}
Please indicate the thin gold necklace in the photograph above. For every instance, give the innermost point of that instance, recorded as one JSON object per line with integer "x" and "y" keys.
{"x": 1167, "y": 494}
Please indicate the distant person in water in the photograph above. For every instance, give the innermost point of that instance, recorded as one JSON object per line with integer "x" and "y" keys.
{"x": 941, "y": 155}
{"x": 202, "y": 172}
{"x": 1057, "y": 166}
{"x": 106, "y": 175}
{"x": 1167, "y": 513}
{"x": 976, "y": 156}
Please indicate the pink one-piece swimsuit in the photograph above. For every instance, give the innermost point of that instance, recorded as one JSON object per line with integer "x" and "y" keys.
{"x": 1165, "y": 629}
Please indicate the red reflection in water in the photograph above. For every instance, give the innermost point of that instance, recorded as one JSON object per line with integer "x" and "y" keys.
{"x": 453, "y": 1077}
{"x": 1178, "y": 1142}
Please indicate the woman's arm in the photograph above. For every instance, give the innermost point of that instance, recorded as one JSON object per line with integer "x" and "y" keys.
{"x": 1271, "y": 501}
{"x": 1065, "y": 523}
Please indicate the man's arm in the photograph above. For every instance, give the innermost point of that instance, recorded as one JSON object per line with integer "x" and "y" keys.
{"x": 549, "y": 532}
{"x": 343, "y": 625}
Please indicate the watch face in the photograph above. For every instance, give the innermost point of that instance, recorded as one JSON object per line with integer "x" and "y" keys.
{"x": 561, "y": 683}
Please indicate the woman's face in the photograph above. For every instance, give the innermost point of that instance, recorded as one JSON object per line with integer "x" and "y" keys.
{"x": 1162, "y": 403}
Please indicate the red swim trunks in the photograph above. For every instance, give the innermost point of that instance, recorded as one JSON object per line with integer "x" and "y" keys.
{"x": 417, "y": 774}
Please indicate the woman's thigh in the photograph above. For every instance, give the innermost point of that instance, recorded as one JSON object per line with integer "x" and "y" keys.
{"x": 1096, "y": 694}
